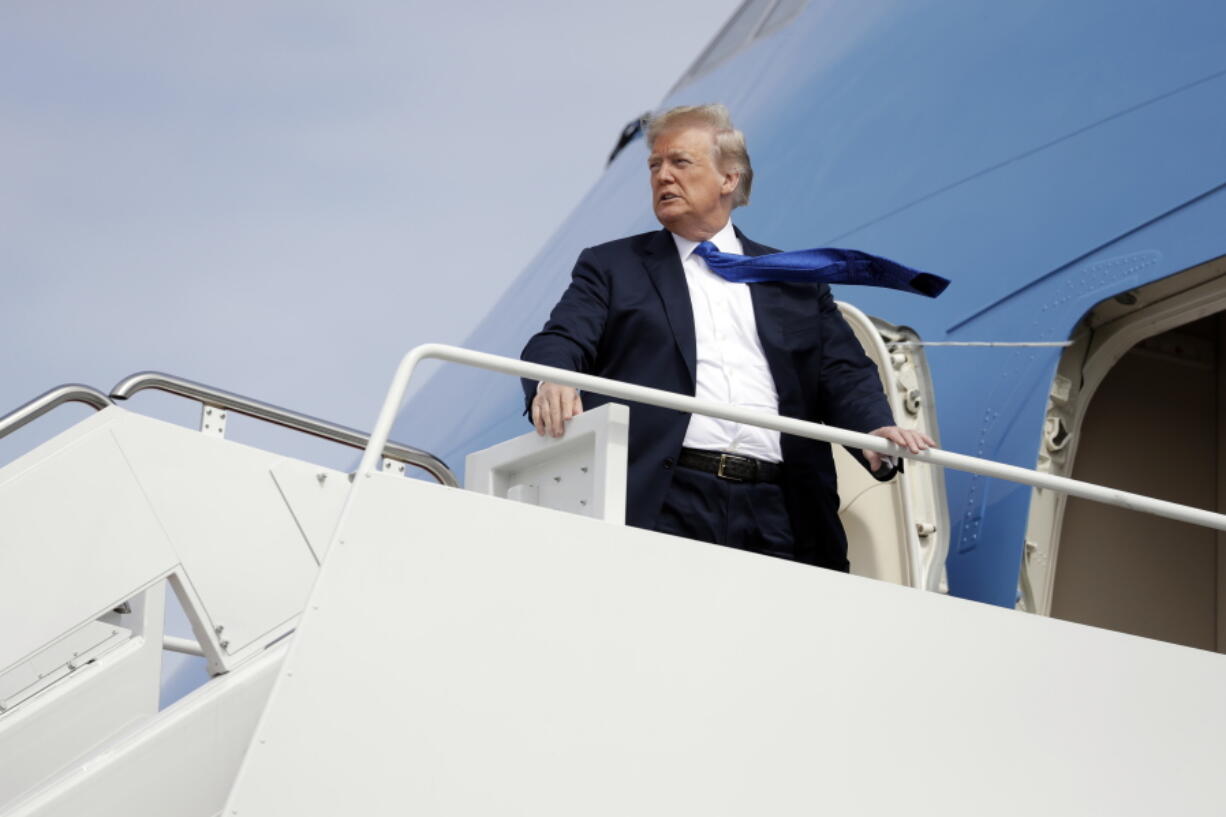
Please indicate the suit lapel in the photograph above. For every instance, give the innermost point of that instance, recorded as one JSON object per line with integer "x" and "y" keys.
{"x": 767, "y": 299}
{"x": 664, "y": 269}
{"x": 764, "y": 297}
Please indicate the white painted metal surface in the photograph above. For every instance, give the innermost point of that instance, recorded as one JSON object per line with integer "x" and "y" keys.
{"x": 78, "y": 536}
{"x": 244, "y": 557}
{"x": 543, "y": 663}
{"x": 101, "y": 515}
{"x": 74, "y": 710}
{"x": 516, "y": 660}
{"x": 58, "y": 660}
{"x": 392, "y": 466}
{"x": 787, "y": 425}
{"x": 583, "y": 472}
{"x": 180, "y": 763}
{"x": 182, "y": 645}
{"x": 212, "y": 420}
{"x": 314, "y": 497}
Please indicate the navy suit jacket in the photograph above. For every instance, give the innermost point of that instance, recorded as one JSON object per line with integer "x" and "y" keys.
{"x": 627, "y": 316}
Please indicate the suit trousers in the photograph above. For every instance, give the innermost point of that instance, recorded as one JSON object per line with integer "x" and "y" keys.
{"x": 742, "y": 515}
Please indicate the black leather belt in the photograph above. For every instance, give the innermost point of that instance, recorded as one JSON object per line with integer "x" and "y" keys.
{"x": 730, "y": 466}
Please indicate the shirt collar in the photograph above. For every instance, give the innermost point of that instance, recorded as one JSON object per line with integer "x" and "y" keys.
{"x": 725, "y": 241}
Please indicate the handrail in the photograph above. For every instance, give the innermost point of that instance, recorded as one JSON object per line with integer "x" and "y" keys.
{"x": 305, "y": 423}
{"x": 786, "y": 425}
{"x": 67, "y": 393}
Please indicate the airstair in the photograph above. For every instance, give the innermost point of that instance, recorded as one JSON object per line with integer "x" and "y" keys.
{"x": 385, "y": 645}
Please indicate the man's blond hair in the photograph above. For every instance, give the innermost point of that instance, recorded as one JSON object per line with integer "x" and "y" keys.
{"x": 730, "y": 152}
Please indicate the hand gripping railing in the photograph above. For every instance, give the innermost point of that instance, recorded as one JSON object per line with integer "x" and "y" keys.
{"x": 68, "y": 393}
{"x": 787, "y": 425}
{"x": 283, "y": 417}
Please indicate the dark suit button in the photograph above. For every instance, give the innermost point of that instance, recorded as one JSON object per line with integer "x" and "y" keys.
{"x": 668, "y": 462}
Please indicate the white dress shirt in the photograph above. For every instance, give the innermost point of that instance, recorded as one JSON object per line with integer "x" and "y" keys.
{"x": 732, "y": 367}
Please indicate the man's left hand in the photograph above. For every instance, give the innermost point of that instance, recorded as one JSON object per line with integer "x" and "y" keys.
{"x": 913, "y": 441}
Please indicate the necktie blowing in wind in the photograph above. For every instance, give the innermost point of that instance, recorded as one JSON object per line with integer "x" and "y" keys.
{"x": 824, "y": 265}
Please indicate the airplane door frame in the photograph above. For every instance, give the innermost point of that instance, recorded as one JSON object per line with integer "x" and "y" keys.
{"x": 898, "y": 531}
{"x": 1102, "y": 337}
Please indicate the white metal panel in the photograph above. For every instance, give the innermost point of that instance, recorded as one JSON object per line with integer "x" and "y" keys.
{"x": 582, "y": 472}
{"x": 514, "y": 660}
{"x": 876, "y": 530}
{"x": 77, "y": 537}
{"x": 68, "y": 719}
{"x": 181, "y": 763}
{"x": 315, "y": 496}
{"x": 58, "y": 660}
{"x": 246, "y": 561}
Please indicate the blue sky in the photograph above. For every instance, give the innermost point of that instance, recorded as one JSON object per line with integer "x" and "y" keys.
{"x": 281, "y": 198}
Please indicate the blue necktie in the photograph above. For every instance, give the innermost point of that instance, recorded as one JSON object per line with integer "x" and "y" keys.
{"x": 824, "y": 265}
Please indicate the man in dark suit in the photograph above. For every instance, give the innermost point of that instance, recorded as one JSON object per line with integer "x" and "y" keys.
{"x": 647, "y": 310}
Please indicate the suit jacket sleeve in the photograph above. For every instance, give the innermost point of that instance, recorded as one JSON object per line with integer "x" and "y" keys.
{"x": 571, "y": 337}
{"x": 850, "y": 384}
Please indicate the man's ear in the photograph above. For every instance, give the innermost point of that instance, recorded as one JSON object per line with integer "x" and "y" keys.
{"x": 731, "y": 180}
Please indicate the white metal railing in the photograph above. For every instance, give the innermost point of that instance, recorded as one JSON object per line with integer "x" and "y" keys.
{"x": 786, "y": 425}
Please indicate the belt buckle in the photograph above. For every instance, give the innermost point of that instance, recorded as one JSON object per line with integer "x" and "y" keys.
{"x": 723, "y": 460}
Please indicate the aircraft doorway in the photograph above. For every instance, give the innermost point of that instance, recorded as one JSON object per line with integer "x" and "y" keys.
{"x": 1155, "y": 428}
{"x": 1139, "y": 404}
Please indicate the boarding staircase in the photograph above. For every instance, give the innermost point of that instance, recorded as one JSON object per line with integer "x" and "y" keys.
{"x": 94, "y": 525}
{"x": 384, "y": 645}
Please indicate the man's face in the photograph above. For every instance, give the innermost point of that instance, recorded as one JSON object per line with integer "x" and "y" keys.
{"x": 691, "y": 196}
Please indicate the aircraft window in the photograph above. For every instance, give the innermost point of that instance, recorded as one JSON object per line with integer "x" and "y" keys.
{"x": 739, "y": 30}
{"x": 780, "y": 15}
{"x": 633, "y": 129}
{"x": 753, "y": 20}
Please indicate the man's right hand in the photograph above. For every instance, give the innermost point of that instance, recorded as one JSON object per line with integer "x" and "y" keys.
{"x": 553, "y": 406}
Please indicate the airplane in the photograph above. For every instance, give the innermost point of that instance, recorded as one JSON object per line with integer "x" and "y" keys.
{"x": 1063, "y": 166}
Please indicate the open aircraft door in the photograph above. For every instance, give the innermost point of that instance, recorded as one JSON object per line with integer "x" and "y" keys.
{"x": 897, "y": 531}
